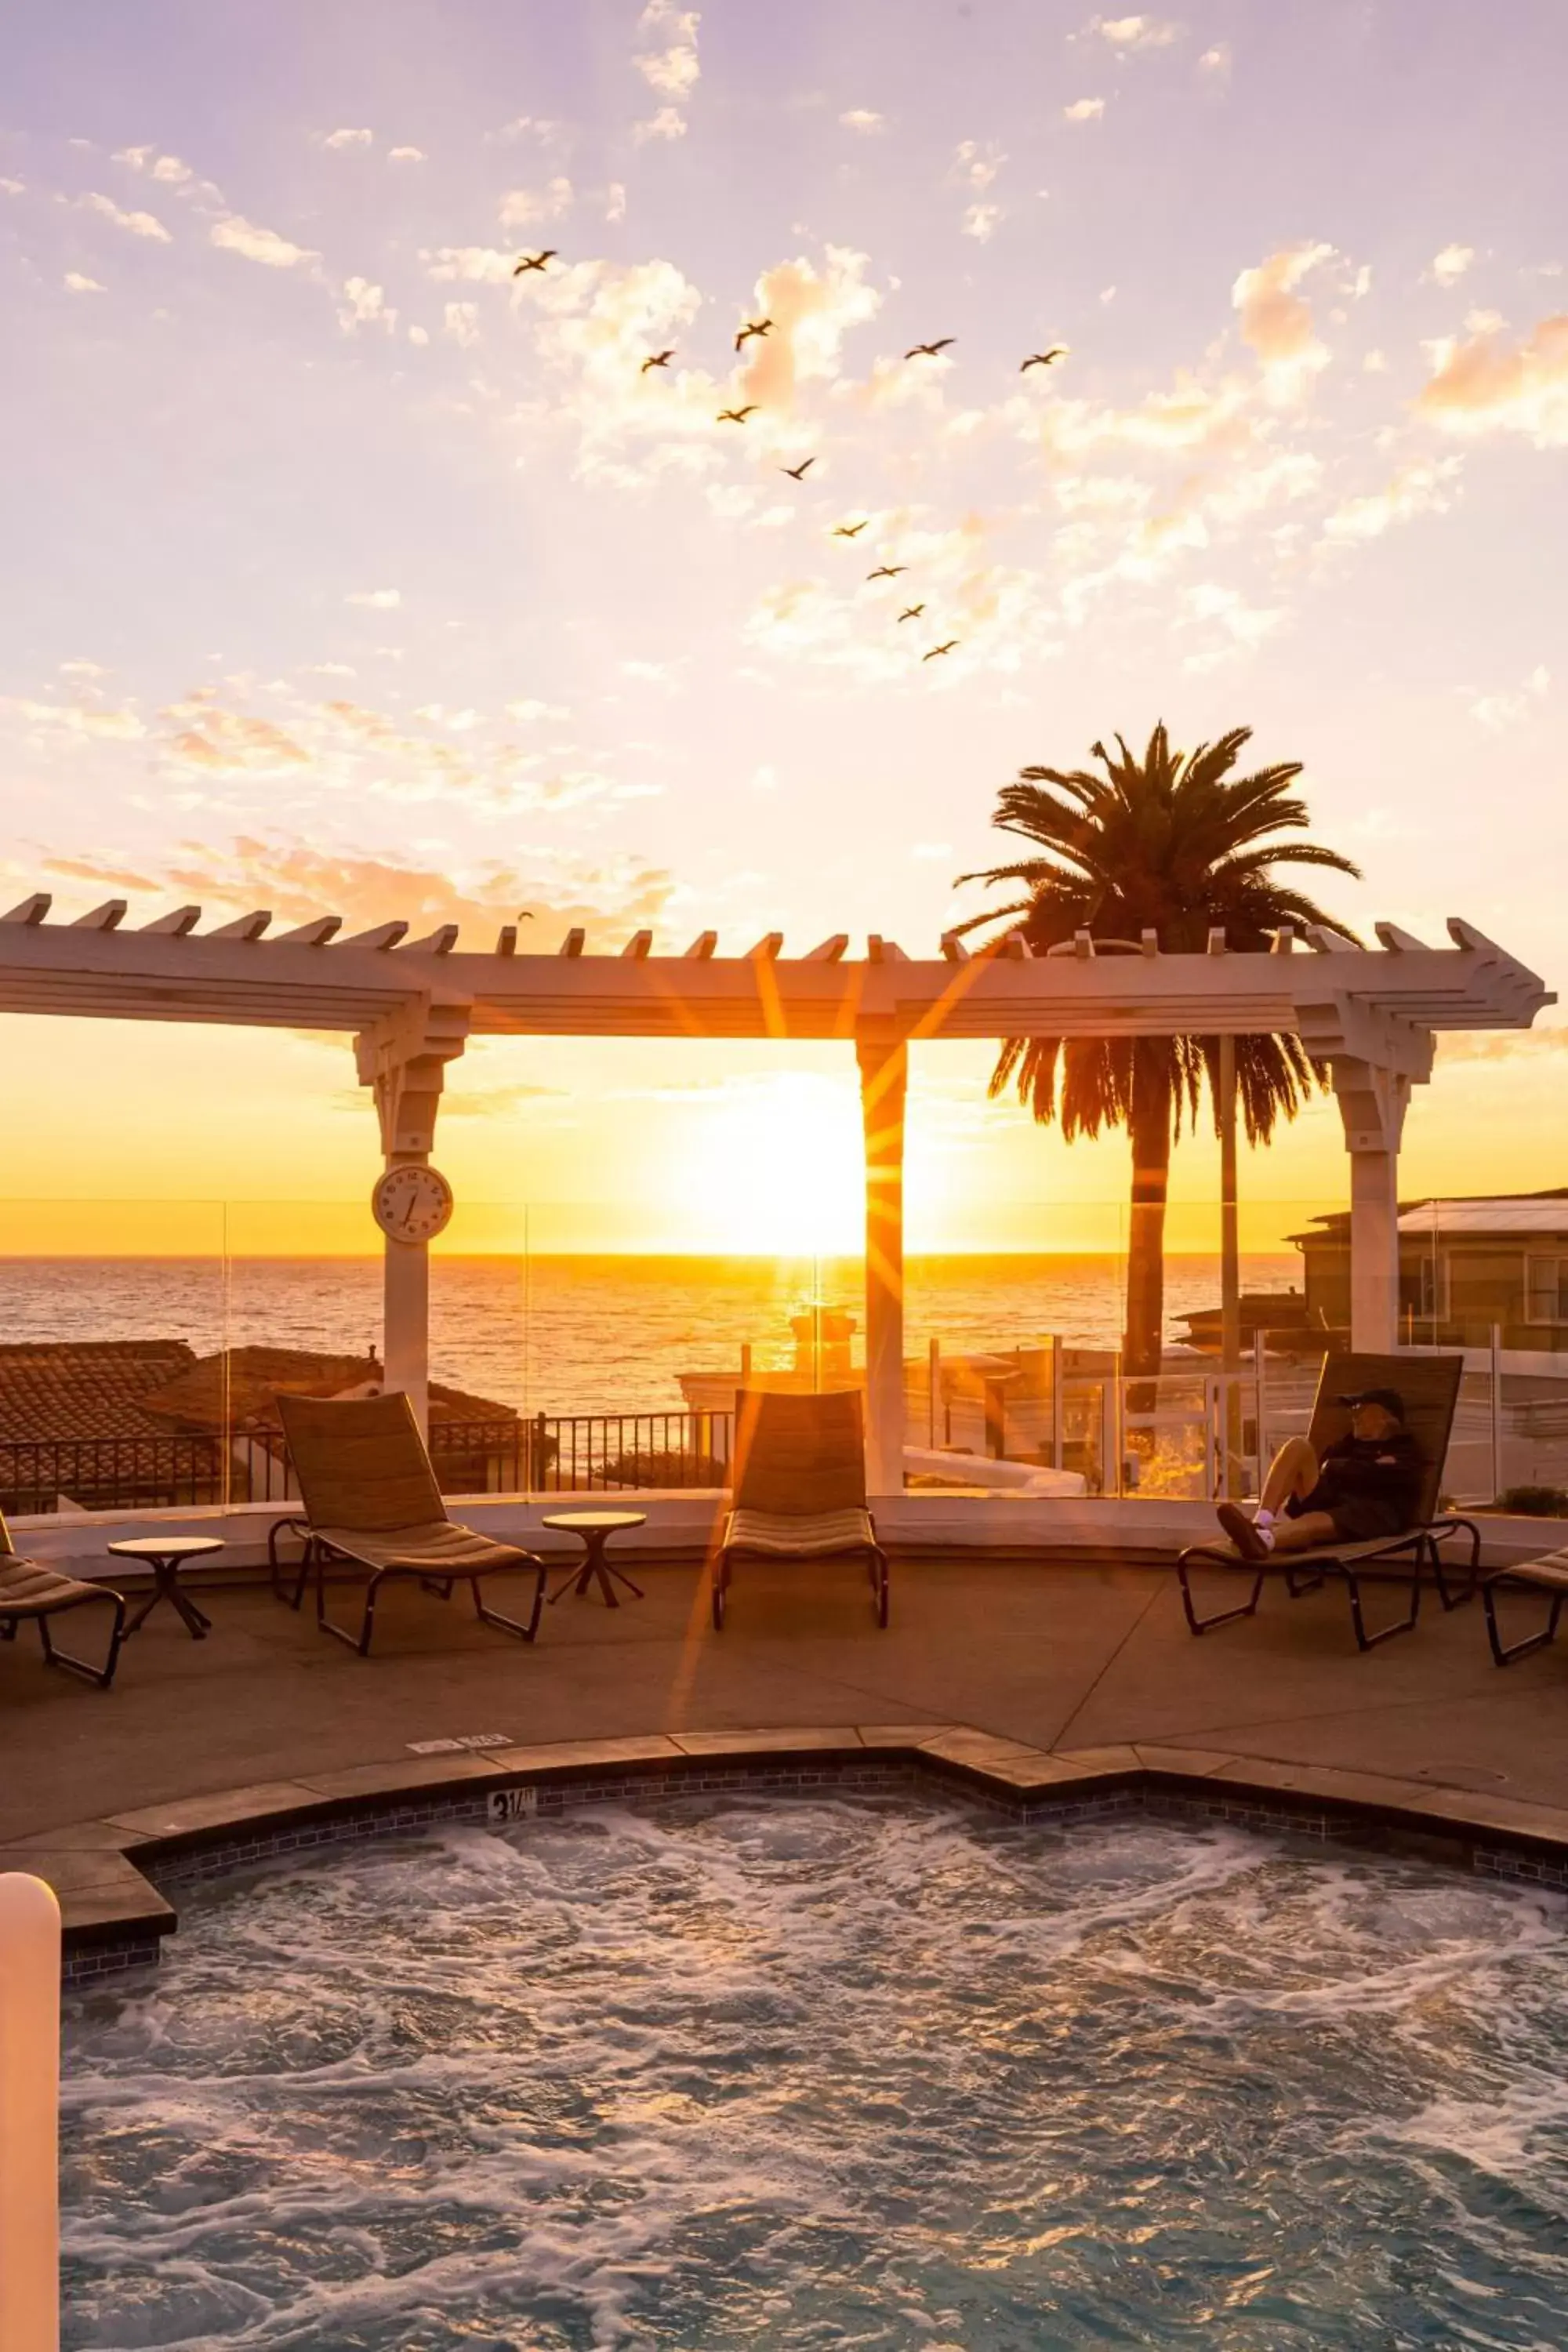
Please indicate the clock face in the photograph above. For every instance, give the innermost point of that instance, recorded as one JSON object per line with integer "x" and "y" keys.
{"x": 411, "y": 1203}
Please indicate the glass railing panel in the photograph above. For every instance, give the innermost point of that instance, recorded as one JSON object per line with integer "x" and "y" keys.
{"x": 114, "y": 1316}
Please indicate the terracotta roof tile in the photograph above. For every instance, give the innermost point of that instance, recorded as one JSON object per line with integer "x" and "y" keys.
{"x": 67, "y": 1389}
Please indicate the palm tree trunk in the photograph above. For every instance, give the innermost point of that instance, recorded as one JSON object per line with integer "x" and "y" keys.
{"x": 1149, "y": 1129}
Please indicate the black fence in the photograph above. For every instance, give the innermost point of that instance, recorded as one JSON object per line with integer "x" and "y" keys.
{"x": 551, "y": 1453}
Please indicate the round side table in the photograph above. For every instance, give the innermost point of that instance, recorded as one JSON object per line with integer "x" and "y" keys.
{"x": 594, "y": 1528}
{"x": 165, "y": 1555}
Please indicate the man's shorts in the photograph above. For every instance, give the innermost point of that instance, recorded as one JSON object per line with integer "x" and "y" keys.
{"x": 1358, "y": 1518}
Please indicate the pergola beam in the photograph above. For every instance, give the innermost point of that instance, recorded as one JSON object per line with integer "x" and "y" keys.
{"x": 411, "y": 1004}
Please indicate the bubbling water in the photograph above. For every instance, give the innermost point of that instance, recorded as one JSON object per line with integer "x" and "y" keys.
{"x": 812, "y": 2073}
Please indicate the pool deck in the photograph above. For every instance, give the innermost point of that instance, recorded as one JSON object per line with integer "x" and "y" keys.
{"x": 1059, "y": 1673}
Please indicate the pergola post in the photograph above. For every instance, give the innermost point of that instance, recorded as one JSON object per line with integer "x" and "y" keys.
{"x": 884, "y": 1081}
{"x": 1373, "y": 1102}
{"x": 404, "y": 1059}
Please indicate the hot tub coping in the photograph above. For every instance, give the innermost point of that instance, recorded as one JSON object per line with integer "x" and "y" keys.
{"x": 115, "y": 1917}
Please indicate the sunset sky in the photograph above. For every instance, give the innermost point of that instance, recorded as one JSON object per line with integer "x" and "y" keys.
{"x": 347, "y": 573}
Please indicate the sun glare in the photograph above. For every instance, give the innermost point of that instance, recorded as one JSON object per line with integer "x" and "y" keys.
{"x": 777, "y": 1168}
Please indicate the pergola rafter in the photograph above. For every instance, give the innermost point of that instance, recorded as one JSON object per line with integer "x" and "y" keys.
{"x": 410, "y": 1004}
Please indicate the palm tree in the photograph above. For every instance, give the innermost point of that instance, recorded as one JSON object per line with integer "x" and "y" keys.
{"x": 1176, "y": 845}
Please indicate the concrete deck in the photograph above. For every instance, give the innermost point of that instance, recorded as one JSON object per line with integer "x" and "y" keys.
{"x": 1065, "y": 1660}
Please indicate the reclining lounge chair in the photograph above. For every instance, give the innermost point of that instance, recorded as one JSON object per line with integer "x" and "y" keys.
{"x": 1549, "y": 1574}
{"x": 1430, "y": 1388}
{"x": 29, "y": 1589}
{"x": 800, "y": 1488}
{"x": 370, "y": 1496}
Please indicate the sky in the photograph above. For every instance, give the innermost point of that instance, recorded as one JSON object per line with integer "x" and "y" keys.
{"x": 349, "y": 573}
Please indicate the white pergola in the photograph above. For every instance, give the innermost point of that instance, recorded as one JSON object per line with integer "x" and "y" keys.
{"x": 411, "y": 1005}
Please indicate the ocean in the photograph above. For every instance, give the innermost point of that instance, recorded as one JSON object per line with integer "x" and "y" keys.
{"x": 580, "y": 1334}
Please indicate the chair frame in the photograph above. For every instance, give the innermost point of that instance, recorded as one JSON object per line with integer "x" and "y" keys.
{"x": 750, "y": 1407}
{"x": 103, "y": 1675}
{"x": 318, "y": 1549}
{"x": 1420, "y": 1546}
{"x": 1505, "y": 1654}
{"x": 875, "y": 1566}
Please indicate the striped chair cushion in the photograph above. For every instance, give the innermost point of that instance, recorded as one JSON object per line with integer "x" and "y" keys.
{"x": 436, "y": 1548}
{"x": 807, "y": 1537}
{"x": 28, "y": 1588}
{"x": 1550, "y": 1570}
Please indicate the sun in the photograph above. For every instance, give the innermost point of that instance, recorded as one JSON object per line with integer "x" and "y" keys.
{"x": 775, "y": 1168}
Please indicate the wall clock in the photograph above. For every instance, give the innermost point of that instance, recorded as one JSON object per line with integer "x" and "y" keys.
{"x": 411, "y": 1203}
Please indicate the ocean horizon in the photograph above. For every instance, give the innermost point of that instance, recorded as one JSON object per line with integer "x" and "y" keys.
{"x": 579, "y": 1332}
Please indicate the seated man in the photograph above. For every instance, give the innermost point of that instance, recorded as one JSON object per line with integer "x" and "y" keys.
{"x": 1367, "y": 1484}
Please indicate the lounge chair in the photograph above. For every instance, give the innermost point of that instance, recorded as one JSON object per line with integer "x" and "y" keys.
{"x": 1430, "y": 1387}
{"x": 29, "y": 1589}
{"x": 370, "y": 1495}
{"x": 800, "y": 1488}
{"x": 1547, "y": 1574}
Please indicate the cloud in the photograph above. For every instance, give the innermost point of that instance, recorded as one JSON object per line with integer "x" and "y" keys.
{"x": 1449, "y": 266}
{"x": 1127, "y": 33}
{"x": 476, "y": 265}
{"x": 228, "y": 742}
{"x": 406, "y": 155}
{"x": 976, "y": 166}
{"x": 1217, "y": 61}
{"x": 299, "y": 880}
{"x": 812, "y": 311}
{"x": 462, "y": 324}
{"x": 862, "y": 118}
{"x": 364, "y": 305}
{"x": 1500, "y": 1045}
{"x": 75, "y": 283}
{"x": 340, "y": 139}
{"x": 667, "y": 123}
{"x": 136, "y": 224}
{"x": 520, "y": 207}
{"x": 1497, "y": 712}
{"x": 234, "y": 234}
{"x": 1084, "y": 110}
{"x": 982, "y": 222}
{"x": 14, "y": 187}
{"x": 1276, "y": 323}
{"x": 671, "y": 67}
{"x": 166, "y": 168}
{"x": 1480, "y": 387}
{"x": 74, "y": 720}
{"x": 1419, "y": 490}
{"x": 615, "y": 201}
{"x": 379, "y": 600}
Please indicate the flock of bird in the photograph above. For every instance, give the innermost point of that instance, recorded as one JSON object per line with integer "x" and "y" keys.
{"x": 759, "y": 328}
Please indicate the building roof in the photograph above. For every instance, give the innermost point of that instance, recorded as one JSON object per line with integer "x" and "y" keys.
{"x": 194, "y": 1398}
{"x": 1481, "y": 1217}
{"x": 58, "y": 1390}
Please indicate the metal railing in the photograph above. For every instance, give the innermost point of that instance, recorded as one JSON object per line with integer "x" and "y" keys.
{"x": 551, "y": 1453}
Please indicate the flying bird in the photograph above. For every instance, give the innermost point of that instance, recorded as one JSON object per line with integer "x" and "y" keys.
{"x": 887, "y": 572}
{"x": 930, "y": 351}
{"x": 797, "y": 473}
{"x": 753, "y": 326}
{"x": 847, "y": 530}
{"x": 534, "y": 261}
{"x": 736, "y": 415}
{"x": 655, "y": 359}
{"x": 940, "y": 649}
{"x": 1044, "y": 359}
{"x": 911, "y": 612}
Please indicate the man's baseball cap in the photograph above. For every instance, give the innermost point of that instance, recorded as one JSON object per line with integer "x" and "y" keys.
{"x": 1389, "y": 1399}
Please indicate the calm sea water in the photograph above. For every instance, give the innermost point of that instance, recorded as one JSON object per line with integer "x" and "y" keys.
{"x": 586, "y": 1334}
{"x": 799, "y": 2076}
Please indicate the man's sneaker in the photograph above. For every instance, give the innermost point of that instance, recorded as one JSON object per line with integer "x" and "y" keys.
{"x": 1247, "y": 1538}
